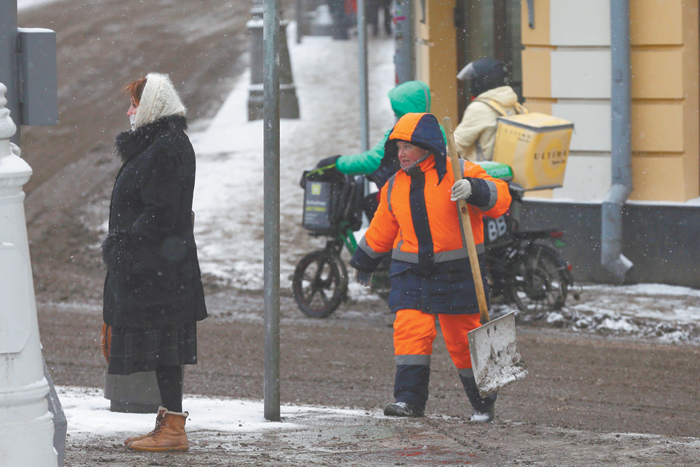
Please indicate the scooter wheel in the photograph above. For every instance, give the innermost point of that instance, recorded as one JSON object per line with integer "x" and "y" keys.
{"x": 320, "y": 283}
{"x": 539, "y": 282}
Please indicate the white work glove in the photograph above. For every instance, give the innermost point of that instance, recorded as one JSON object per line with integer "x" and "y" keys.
{"x": 461, "y": 189}
{"x": 363, "y": 278}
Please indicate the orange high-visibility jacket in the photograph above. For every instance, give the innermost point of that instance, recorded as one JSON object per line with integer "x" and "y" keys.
{"x": 392, "y": 227}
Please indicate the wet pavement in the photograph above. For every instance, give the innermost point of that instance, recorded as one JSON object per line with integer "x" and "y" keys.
{"x": 237, "y": 434}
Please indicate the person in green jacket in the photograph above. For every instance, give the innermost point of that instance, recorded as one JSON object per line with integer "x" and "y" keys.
{"x": 408, "y": 97}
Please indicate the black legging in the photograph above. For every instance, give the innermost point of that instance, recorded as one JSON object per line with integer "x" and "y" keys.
{"x": 170, "y": 387}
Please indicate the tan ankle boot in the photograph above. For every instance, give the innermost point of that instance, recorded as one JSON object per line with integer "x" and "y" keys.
{"x": 159, "y": 417}
{"x": 169, "y": 435}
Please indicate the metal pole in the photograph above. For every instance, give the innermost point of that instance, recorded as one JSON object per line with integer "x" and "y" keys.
{"x": 271, "y": 127}
{"x": 364, "y": 98}
{"x": 300, "y": 19}
{"x": 364, "y": 89}
{"x": 403, "y": 37}
{"x": 8, "y": 61}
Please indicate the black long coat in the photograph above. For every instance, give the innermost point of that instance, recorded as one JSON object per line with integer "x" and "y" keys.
{"x": 153, "y": 277}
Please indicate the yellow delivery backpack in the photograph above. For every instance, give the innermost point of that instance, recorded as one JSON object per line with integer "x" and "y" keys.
{"x": 534, "y": 145}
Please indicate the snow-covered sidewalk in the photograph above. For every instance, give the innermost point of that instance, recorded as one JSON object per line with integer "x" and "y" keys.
{"x": 88, "y": 414}
{"x": 230, "y": 432}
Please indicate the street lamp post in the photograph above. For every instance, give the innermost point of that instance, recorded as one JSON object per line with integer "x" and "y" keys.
{"x": 26, "y": 425}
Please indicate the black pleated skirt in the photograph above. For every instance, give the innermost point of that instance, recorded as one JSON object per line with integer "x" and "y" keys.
{"x": 134, "y": 350}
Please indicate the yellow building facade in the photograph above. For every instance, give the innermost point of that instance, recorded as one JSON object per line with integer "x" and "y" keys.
{"x": 559, "y": 52}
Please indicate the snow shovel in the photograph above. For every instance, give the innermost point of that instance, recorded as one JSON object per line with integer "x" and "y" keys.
{"x": 496, "y": 360}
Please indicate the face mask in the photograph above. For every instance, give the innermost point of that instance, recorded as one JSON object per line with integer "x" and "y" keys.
{"x": 132, "y": 120}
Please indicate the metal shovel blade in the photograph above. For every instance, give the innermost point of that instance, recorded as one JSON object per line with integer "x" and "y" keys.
{"x": 496, "y": 360}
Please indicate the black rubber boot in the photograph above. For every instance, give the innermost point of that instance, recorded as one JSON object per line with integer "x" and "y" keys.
{"x": 402, "y": 409}
{"x": 410, "y": 391}
{"x": 484, "y": 411}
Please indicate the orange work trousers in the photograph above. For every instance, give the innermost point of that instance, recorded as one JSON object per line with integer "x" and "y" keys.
{"x": 415, "y": 331}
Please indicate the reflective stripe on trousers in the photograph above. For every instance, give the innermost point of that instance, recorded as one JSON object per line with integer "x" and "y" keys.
{"x": 415, "y": 331}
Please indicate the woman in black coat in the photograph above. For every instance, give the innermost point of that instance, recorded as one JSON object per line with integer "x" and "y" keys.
{"x": 153, "y": 293}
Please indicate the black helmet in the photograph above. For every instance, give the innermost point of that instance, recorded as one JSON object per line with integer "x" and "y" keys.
{"x": 484, "y": 74}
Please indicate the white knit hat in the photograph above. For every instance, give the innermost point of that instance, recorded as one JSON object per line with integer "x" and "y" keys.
{"x": 159, "y": 99}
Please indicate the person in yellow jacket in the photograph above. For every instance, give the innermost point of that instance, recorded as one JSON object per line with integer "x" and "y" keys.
{"x": 476, "y": 133}
{"x": 417, "y": 223}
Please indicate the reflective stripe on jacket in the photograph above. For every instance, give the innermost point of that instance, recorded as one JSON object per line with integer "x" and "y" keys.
{"x": 419, "y": 225}
{"x": 393, "y": 228}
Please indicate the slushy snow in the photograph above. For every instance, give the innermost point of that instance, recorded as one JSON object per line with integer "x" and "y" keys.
{"x": 88, "y": 414}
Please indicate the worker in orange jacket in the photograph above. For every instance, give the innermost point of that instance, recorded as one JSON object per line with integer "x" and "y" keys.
{"x": 417, "y": 222}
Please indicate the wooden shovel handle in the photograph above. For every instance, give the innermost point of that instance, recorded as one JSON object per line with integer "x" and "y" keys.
{"x": 466, "y": 224}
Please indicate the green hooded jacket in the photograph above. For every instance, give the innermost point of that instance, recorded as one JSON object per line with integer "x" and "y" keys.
{"x": 408, "y": 97}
